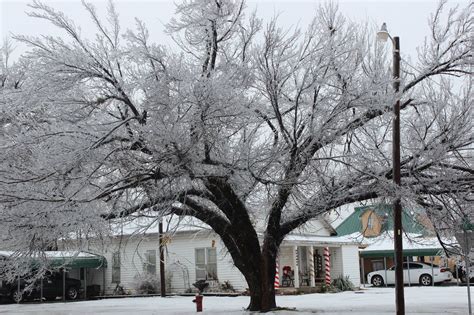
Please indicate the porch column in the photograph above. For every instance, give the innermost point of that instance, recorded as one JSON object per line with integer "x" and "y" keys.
{"x": 296, "y": 267}
{"x": 327, "y": 261}
{"x": 276, "y": 283}
{"x": 312, "y": 281}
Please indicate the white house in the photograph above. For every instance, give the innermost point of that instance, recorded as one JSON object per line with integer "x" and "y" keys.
{"x": 194, "y": 252}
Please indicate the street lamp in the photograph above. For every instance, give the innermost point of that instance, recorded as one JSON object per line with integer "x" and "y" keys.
{"x": 383, "y": 35}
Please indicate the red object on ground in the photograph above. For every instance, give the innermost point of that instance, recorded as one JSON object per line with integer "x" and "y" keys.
{"x": 198, "y": 301}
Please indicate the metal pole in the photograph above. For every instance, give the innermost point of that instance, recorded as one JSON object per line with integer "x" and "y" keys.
{"x": 432, "y": 271}
{"x": 408, "y": 271}
{"x": 41, "y": 290}
{"x": 162, "y": 260}
{"x": 385, "y": 269}
{"x": 64, "y": 284}
{"x": 18, "y": 288}
{"x": 103, "y": 281}
{"x": 363, "y": 270}
{"x": 85, "y": 283}
{"x": 466, "y": 261}
{"x": 397, "y": 207}
{"x": 457, "y": 273}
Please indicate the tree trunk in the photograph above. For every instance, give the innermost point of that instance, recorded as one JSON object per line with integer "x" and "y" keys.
{"x": 255, "y": 295}
{"x": 260, "y": 281}
{"x": 267, "y": 271}
{"x": 261, "y": 285}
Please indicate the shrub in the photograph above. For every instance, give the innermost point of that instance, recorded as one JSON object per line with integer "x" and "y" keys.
{"x": 147, "y": 284}
{"x": 227, "y": 286}
{"x": 342, "y": 284}
{"x": 326, "y": 288}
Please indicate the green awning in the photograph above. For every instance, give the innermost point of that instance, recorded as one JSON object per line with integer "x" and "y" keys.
{"x": 406, "y": 252}
{"x": 80, "y": 261}
{"x": 66, "y": 259}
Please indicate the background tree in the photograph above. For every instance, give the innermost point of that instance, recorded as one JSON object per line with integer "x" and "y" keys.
{"x": 252, "y": 129}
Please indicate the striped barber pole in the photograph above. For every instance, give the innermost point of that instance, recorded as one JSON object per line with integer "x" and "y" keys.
{"x": 277, "y": 275}
{"x": 311, "y": 267}
{"x": 327, "y": 265}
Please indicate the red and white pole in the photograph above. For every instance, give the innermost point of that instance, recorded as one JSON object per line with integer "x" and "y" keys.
{"x": 327, "y": 266}
{"x": 277, "y": 275}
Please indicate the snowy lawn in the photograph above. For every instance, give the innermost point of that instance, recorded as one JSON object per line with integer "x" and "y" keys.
{"x": 419, "y": 300}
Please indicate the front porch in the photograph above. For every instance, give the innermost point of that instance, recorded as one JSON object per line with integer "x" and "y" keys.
{"x": 305, "y": 263}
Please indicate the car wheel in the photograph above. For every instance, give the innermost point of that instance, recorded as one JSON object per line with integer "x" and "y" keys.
{"x": 426, "y": 280}
{"x": 17, "y": 297}
{"x": 72, "y": 293}
{"x": 377, "y": 281}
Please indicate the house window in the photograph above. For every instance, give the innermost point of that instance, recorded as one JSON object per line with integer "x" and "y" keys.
{"x": 116, "y": 267}
{"x": 206, "y": 263}
{"x": 377, "y": 265}
{"x": 370, "y": 223}
{"x": 150, "y": 262}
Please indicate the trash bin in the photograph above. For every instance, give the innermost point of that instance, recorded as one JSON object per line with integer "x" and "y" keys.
{"x": 93, "y": 290}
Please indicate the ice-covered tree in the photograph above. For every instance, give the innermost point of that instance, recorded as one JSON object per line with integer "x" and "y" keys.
{"x": 250, "y": 128}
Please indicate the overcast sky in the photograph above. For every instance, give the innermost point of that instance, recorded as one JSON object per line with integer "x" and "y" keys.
{"x": 407, "y": 19}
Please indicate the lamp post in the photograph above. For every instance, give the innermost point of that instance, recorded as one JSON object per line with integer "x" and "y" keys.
{"x": 383, "y": 35}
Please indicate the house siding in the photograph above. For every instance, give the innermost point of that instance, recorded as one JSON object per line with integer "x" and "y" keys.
{"x": 350, "y": 263}
{"x": 314, "y": 227}
{"x": 180, "y": 259}
{"x": 336, "y": 262}
{"x": 179, "y": 262}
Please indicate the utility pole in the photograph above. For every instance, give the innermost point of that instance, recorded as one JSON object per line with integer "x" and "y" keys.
{"x": 162, "y": 259}
{"x": 397, "y": 206}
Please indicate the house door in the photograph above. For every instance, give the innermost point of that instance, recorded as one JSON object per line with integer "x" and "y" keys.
{"x": 318, "y": 266}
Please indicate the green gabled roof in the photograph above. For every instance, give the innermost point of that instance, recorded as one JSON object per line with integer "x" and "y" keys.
{"x": 352, "y": 224}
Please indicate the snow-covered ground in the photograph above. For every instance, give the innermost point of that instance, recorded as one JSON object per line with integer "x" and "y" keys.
{"x": 419, "y": 300}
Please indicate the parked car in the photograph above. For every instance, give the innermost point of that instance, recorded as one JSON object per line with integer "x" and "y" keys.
{"x": 52, "y": 288}
{"x": 413, "y": 273}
